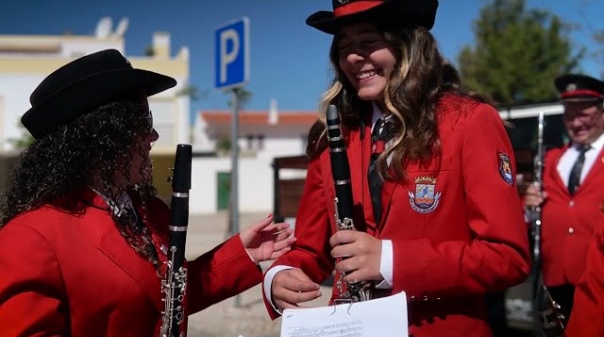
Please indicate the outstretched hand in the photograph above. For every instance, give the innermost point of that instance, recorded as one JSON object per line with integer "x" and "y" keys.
{"x": 265, "y": 240}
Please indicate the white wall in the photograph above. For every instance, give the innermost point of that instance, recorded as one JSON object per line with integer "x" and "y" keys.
{"x": 255, "y": 182}
{"x": 16, "y": 90}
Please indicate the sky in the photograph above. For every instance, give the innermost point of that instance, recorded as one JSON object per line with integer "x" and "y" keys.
{"x": 288, "y": 59}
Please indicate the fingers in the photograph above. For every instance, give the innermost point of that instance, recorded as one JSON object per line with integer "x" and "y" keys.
{"x": 281, "y": 231}
{"x": 342, "y": 251}
{"x": 278, "y": 253}
{"x": 284, "y": 243}
{"x": 291, "y": 287}
{"x": 344, "y": 237}
{"x": 534, "y": 196}
{"x": 358, "y": 269}
{"x": 262, "y": 224}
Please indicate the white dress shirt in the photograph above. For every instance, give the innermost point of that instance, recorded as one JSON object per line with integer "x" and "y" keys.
{"x": 566, "y": 162}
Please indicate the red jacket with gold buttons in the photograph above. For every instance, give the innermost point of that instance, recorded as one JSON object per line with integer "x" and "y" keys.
{"x": 74, "y": 275}
{"x": 466, "y": 236}
{"x": 568, "y": 222}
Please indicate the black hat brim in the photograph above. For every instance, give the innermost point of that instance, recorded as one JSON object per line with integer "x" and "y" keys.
{"x": 582, "y": 82}
{"x": 70, "y": 102}
{"x": 403, "y": 13}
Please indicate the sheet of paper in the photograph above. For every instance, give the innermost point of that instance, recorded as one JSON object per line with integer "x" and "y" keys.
{"x": 384, "y": 317}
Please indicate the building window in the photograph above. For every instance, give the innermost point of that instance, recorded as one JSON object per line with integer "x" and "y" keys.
{"x": 260, "y": 142}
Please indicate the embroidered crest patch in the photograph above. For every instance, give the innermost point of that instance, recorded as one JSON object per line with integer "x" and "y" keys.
{"x": 425, "y": 199}
{"x": 505, "y": 168}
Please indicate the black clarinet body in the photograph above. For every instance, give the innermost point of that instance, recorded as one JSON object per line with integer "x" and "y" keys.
{"x": 343, "y": 203}
{"x": 175, "y": 278}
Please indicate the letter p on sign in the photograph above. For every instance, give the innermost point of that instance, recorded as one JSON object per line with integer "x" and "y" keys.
{"x": 232, "y": 48}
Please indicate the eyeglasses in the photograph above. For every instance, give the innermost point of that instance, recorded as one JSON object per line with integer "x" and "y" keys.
{"x": 150, "y": 119}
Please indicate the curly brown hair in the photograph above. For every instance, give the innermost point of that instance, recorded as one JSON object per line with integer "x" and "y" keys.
{"x": 420, "y": 78}
{"x": 96, "y": 148}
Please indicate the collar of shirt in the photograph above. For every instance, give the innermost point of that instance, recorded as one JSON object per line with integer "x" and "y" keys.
{"x": 377, "y": 113}
{"x": 124, "y": 202}
{"x": 596, "y": 146}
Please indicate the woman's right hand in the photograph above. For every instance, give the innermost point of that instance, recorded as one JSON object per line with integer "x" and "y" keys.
{"x": 292, "y": 286}
{"x": 534, "y": 197}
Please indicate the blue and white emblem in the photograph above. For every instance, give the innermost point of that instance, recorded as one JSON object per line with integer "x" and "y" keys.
{"x": 425, "y": 199}
{"x": 505, "y": 168}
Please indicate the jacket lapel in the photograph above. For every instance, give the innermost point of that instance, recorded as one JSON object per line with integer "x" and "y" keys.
{"x": 360, "y": 166}
{"x": 594, "y": 170}
{"x": 554, "y": 171}
{"x": 113, "y": 245}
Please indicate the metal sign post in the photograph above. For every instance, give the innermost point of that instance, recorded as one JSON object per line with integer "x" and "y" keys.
{"x": 232, "y": 71}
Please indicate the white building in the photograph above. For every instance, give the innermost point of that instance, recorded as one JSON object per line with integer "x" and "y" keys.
{"x": 26, "y": 60}
{"x": 263, "y": 136}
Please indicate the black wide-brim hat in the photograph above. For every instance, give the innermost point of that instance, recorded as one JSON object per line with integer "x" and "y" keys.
{"x": 84, "y": 84}
{"x": 400, "y": 13}
{"x": 579, "y": 88}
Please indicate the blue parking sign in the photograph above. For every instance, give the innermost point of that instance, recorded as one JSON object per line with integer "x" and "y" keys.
{"x": 232, "y": 54}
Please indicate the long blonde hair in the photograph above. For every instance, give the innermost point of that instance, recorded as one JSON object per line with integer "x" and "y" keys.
{"x": 415, "y": 86}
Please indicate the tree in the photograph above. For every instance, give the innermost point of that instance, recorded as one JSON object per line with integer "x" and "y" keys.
{"x": 24, "y": 141}
{"x": 243, "y": 97}
{"x": 192, "y": 91}
{"x": 517, "y": 54}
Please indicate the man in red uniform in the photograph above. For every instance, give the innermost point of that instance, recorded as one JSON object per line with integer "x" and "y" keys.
{"x": 572, "y": 188}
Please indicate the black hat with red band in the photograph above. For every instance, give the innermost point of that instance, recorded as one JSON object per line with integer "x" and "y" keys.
{"x": 579, "y": 88}
{"x": 402, "y": 13}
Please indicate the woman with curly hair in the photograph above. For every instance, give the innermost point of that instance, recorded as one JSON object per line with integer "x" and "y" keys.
{"x": 440, "y": 218}
{"x": 83, "y": 237}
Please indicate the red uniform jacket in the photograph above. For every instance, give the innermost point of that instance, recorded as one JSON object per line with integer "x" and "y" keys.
{"x": 569, "y": 222}
{"x": 463, "y": 238}
{"x": 75, "y": 275}
{"x": 587, "y": 317}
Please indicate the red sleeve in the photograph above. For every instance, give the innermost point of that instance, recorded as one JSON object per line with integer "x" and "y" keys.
{"x": 497, "y": 256}
{"x": 225, "y": 271}
{"x": 31, "y": 287}
{"x": 311, "y": 251}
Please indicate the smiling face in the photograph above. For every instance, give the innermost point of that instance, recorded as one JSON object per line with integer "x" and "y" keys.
{"x": 366, "y": 59}
{"x": 584, "y": 121}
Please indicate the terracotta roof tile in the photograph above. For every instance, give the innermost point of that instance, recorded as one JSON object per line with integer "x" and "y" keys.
{"x": 259, "y": 117}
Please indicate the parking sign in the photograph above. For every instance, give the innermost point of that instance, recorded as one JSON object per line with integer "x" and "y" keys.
{"x": 232, "y": 54}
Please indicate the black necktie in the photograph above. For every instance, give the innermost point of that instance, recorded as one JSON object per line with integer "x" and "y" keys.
{"x": 375, "y": 181}
{"x": 575, "y": 172}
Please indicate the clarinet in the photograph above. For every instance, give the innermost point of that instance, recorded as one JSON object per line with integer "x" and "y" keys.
{"x": 175, "y": 278}
{"x": 343, "y": 202}
{"x": 549, "y": 322}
